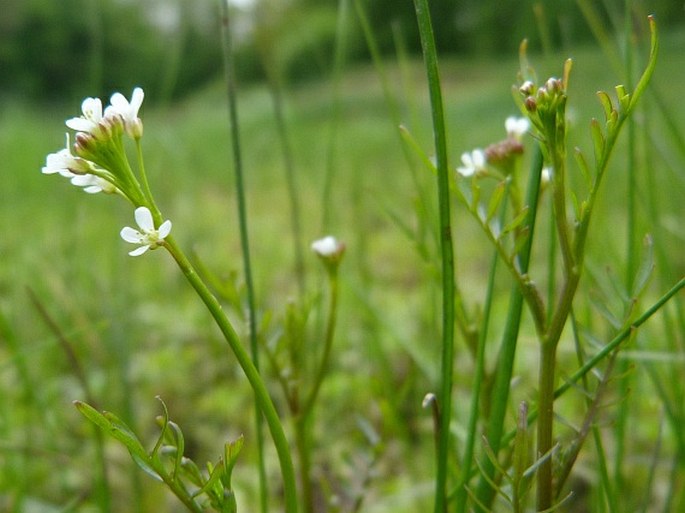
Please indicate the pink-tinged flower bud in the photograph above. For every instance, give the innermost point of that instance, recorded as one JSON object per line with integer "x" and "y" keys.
{"x": 527, "y": 88}
{"x": 531, "y": 104}
{"x": 554, "y": 86}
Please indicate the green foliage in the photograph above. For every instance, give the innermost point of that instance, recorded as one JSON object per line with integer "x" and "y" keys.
{"x": 75, "y": 48}
{"x": 166, "y": 461}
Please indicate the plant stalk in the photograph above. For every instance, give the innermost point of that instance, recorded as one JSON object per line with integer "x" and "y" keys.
{"x": 430, "y": 58}
{"x": 262, "y": 396}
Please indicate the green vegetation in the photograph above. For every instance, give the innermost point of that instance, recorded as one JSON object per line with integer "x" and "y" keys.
{"x": 81, "y": 320}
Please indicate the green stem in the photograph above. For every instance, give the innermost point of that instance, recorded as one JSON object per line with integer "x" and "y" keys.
{"x": 262, "y": 396}
{"x": 447, "y": 252}
{"x": 328, "y": 344}
{"x": 507, "y": 352}
{"x": 479, "y": 377}
{"x": 304, "y": 413}
{"x": 244, "y": 242}
{"x": 545, "y": 488}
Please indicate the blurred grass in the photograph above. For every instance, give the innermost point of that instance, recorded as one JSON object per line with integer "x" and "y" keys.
{"x": 139, "y": 331}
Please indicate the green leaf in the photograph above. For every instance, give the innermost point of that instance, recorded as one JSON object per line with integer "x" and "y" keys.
{"x": 597, "y": 139}
{"x": 516, "y": 222}
{"x": 584, "y": 169}
{"x": 162, "y": 421}
{"x": 605, "y": 100}
{"x": 623, "y": 97}
{"x": 495, "y": 200}
{"x": 646, "y": 267}
{"x": 231, "y": 451}
{"x": 215, "y": 474}
{"x": 414, "y": 146}
{"x": 116, "y": 428}
{"x": 192, "y": 472}
{"x": 180, "y": 445}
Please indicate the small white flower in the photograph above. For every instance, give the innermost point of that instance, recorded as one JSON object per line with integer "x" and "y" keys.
{"x": 148, "y": 237}
{"x": 92, "y": 115}
{"x": 66, "y": 164}
{"x": 546, "y": 175}
{"x": 474, "y": 163}
{"x": 327, "y": 247}
{"x": 128, "y": 111}
{"x": 516, "y": 127}
{"x": 93, "y": 184}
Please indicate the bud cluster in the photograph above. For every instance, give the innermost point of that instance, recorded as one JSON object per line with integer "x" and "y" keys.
{"x": 546, "y": 105}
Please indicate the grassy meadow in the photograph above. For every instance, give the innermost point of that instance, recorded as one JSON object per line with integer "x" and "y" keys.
{"x": 80, "y": 319}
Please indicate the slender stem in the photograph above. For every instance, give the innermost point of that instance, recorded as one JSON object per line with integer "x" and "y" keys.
{"x": 244, "y": 241}
{"x": 304, "y": 412}
{"x": 143, "y": 175}
{"x": 447, "y": 252}
{"x": 262, "y": 397}
{"x": 545, "y": 420}
{"x": 621, "y": 336}
{"x": 479, "y": 377}
{"x": 507, "y": 352}
{"x": 328, "y": 344}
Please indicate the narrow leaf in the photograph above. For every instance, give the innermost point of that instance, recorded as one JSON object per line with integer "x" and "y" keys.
{"x": 597, "y": 139}
{"x": 644, "y": 272}
{"x": 495, "y": 200}
{"x": 584, "y": 168}
{"x": 516, "y": 222}
{"x": 605, "y": 100}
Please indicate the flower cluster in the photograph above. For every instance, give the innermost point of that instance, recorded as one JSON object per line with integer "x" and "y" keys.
{"x": 500, "y": 154}
{"x": 546, "y": 105}
{"x": 97, "y": 162}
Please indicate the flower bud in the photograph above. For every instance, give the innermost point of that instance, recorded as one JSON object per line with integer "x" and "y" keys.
{"x": 527, "y": 88}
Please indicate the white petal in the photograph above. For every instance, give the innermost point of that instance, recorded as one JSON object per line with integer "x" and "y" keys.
{"x": 139, "y": 251}
{"x": 478, "y": 159}
{"x": 326, "y": 246}
{"x": 131, "y": 235}
{"x": 92, "y": 189}
{"x": 81, "y": 124}
{"x": 164, "y": 229}
{"x": 465, "y": 171}
{"x": 119, "y": 103}
{"x": 92, "y": 109}
{"x": 144, "y": 219}
{"x": 136, "y": 101}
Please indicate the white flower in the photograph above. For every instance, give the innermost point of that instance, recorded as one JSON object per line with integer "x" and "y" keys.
{"x": 474, "y": 162}
{"x": 128, "y": 111}
{"x": 93, "y": 184}
{"x": 92, "y": 115}
{"x": 516, "y": 127}
{"x": 66, "y": 164}
{"x": 327, "y": 247}
{"x": 148, "y": 237}
{"x": 546, "y": 175}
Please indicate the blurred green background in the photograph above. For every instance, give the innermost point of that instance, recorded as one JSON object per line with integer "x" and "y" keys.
{"x": 59, "y": 49}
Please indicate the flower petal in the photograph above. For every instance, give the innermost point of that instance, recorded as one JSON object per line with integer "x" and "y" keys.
{"x": 131, "y": 235}
{"x": 326, "y": 246}
{"x": 136, "y": 101}
{"x": 164, "y": 229}
{"x": 81, "y": 124}
{"x": 139, "y": 251}
{"x": 144, "y": 219}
